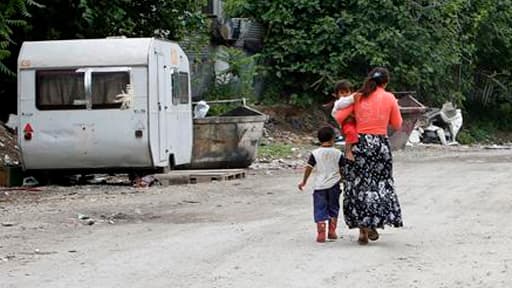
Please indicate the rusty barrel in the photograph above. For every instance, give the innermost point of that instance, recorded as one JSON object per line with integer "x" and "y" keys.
{"x": 411, "y": 110}
{"x": 227, "y": 141}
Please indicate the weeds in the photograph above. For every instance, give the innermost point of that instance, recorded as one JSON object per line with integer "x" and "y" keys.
{"x": 275, "y": 150}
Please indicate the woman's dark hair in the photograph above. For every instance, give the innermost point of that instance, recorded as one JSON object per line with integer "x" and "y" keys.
{"x": 342, "y": 85}
{"x": 377, "y": 77}
{"x": 325, "y": 134}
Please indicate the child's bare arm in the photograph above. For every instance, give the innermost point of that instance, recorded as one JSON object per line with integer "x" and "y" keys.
{"x": 309, "y": 168}
{"x": 307, "y": 173}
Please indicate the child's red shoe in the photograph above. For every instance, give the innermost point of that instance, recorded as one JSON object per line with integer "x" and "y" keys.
{"x": 320, "y": 227}
{"x": 333, "y": 222}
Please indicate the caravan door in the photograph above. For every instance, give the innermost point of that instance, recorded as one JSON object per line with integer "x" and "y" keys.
{"x": 181, "y": 100}
{"x": 163, "y": 107}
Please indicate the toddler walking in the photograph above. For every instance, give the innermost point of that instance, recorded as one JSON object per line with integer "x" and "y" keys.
{"x": 327, "y": 162}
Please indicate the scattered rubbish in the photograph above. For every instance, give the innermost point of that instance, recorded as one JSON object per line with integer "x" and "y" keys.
{"x": 72, "y": 251}
{"x": 8, "y": 258}
{"x": 12, "y": 122}
{"x": 146, "y": 181}
{"x": 498, "y": 147}
{"x": 191, "y": 202}
{"x": 201, "y": 109}
{"x": 7, "y": 160}
{"x": 8, "y": 224}
{"x": 39, "y": 252}
{"x": 114, "y": 217}
{"x": 415, "y": 137}
{"x": 438, "y": 126}
{"x": 98, "y": 180}
{"x": 30, "y": 182}
{"x": 86, "y": 220}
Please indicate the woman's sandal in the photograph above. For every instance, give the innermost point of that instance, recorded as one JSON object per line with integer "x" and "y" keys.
{"x": 362, "y": 241}
{"x": 373, "y": 234}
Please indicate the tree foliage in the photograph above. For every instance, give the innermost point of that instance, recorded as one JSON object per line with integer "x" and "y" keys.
{"x": 163, "y": 18}
{"x": 61, "y": 19}
{"x": 12, "y": 14}
{"x": 311, "y": 43}
{"x": 440, "y": 49}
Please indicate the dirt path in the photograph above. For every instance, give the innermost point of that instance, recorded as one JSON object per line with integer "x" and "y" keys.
{"x": 259, "y": 233}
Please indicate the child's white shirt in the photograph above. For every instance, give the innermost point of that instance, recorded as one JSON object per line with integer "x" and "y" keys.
{"x": 327, "y": 162}
{"x": 342, "y": 103}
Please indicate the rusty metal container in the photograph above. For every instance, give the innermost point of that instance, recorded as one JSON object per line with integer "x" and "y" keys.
{"x": 411, "y": 110}
{"x": 227, "y": 141}
{"x": 11, "y": 176}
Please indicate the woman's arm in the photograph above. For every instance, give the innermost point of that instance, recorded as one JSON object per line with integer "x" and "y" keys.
{"x": 395, "y": 118}
{"x": 341, "y": 115}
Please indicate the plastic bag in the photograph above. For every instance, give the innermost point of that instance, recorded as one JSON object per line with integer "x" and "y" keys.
{"x": 201, "y": 109}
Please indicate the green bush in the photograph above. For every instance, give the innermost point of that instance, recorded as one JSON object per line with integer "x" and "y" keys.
{"x": 478, "y": 132}
{"x": 310, "y": 44}
{"x": 465, "y": 138}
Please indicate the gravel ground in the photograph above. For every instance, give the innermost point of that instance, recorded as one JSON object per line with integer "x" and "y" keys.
{"x": 258, "y": 232}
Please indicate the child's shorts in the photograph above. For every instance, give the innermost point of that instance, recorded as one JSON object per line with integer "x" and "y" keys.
{"x": 350, "y": 132}
{"x": 326, "y": 203}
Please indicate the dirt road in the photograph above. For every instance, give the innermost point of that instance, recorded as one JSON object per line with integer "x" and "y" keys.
{"x": 258, "y": 232}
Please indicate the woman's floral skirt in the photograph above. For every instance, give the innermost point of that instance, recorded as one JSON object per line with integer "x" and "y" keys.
{"x": 369, "y": 195}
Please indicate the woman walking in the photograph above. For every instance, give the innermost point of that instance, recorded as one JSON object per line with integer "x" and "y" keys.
{"x": 370, "y": 201}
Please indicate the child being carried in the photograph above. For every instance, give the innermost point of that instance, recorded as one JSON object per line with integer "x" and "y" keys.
{"x": 344, "y": 98}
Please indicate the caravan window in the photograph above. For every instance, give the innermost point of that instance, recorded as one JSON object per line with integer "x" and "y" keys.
{"x": 74, "y": 89}
{"x": 60, "y": 89}
{"x": 108, "y": 89}
{"x": 180, "y": 88}
{"x": 183, "y": 83}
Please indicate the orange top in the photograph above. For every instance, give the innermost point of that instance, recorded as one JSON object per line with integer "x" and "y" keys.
{"x": 374, "y": 113}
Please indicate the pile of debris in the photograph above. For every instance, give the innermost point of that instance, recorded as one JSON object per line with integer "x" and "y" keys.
{"x": 9, "y": 149}
{"x": 438, "y": 126}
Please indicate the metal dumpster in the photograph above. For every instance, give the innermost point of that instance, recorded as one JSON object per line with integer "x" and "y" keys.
{"x": 411, "y": 110}
{"x": 227, "y": 141}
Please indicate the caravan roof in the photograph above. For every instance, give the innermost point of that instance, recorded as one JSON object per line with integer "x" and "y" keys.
{"x": 85, "y": 52}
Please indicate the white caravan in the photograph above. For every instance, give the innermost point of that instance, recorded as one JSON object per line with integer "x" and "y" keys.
{"x": 104, "y": 104}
